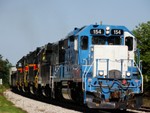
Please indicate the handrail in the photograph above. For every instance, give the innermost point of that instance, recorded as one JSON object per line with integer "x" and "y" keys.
{"x": 84, "y": 77}
{"x": 140, "y": 73}
{"x": 85, "y": 74}
{"x": 56, "y": 70}
{"x": 85, "y": 67}
{"x": 98, "y": 62}
{"x": 121, "y": 61}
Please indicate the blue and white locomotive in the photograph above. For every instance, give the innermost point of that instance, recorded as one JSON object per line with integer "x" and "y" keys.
{"x": 97, "y": 65}
{"x": 102, "y": 67}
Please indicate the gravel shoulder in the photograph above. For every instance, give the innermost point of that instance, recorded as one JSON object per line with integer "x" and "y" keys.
{"x": 33, "y": 106}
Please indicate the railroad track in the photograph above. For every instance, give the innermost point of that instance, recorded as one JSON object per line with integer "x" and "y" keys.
{"x": 65, "y": 104}
{"x": 143, "y": 109}
{"x": 80, "y": 108}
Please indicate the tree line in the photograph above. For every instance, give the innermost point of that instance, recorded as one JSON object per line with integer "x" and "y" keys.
{"x": 5, "y": 66}
{"x": 142, "y": 33}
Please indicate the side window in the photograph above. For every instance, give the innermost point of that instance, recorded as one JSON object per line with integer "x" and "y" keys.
{"x": 71, "y": 39}
{"x": 129, "y": 43}
{"x": 84, "y": 42}
{"x": 95, "y": 40}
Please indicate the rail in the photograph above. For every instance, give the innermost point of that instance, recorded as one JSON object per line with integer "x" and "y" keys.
{"x": 140, "y": 74}
{"x": 52, "y": 80}
{"x": 98, "y": 62}
{"x": 130, "y": 63}
{"x": 84, "y": 76}
{"x": 143, "y": 109}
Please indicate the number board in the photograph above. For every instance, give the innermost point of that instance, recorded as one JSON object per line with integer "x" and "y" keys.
{"x": 97, "y": 31}
{"x": 117, "y": 32}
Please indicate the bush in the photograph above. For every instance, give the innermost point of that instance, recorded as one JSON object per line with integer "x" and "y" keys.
{"x": 4, "y": 70}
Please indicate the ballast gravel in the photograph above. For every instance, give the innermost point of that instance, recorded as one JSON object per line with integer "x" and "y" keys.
{"x": 33, "y": 106}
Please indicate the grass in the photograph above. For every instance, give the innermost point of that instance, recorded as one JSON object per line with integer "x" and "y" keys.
{"x": 146, "y": 97}
{"x": 7, "y": 106}
{"x": 146, "y": 102}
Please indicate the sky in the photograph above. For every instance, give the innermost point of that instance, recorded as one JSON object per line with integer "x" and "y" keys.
{"x": 28, "y": 24}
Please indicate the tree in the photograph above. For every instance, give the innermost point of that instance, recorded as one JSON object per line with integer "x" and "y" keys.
{"x": 142, "y": 33}
{"x": 4, "y": 70}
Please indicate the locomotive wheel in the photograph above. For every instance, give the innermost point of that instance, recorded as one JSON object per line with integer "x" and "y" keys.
{"x": 23, "y": 88}
{"x": 58, "y": 93}
{"x": 31, "y": 89}
{"x": 47, "y": 91}
{"x": 138, "y": 101}
{"x": 77, "y": 94}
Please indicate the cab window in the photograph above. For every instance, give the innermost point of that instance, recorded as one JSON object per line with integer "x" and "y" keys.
{"x": 114, "y": 40}
{"x": 84, "y": 42}
{"x": 129, "y": 43}
{"x": 72, "y": 39}
{"x": 102, "y": 40}
{"x": 98, "y": 40}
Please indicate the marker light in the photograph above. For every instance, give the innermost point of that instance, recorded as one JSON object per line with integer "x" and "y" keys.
{"x": 124, "y": 82}
{"x": 128, "y": 74}
{"x": 101, "y": 73}
{"x": 107, "y": 30}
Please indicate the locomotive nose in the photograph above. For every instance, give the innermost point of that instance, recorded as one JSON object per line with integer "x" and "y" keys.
{"x": 110, "y": 61}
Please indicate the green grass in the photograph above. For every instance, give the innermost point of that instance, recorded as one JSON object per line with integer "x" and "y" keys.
{"x": 7, "y": 106}
{"x": 146, "y": 102}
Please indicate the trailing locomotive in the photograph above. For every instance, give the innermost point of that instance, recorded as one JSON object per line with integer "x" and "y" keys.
{"x": 97, "y": 65}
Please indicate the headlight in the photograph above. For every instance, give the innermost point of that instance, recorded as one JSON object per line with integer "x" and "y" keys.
{"x": 101, "y": 73}
{"x": 107, "y": 30}
{"x": 128, "y": 74}
{"x": 89, "y": 79}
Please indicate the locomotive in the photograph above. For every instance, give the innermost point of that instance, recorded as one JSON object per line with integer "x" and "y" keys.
{"x": 96, "y": 65}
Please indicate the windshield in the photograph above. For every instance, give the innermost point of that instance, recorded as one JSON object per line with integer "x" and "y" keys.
{"x": 102, "y": 40}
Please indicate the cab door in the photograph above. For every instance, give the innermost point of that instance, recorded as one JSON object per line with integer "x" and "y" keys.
{"x": 131, "y": 43}
{"x": 84, "y": 47}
